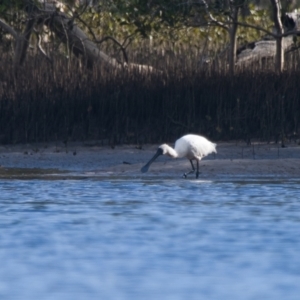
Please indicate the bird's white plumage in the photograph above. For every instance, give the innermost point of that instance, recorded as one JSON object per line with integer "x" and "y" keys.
{"x": 194, "y": 146}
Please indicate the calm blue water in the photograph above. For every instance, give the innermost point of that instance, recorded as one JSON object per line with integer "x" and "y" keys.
{"x": 150, "y": 239}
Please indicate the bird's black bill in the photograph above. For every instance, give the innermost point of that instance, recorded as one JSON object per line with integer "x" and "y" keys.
{"x": 145, "y": 168}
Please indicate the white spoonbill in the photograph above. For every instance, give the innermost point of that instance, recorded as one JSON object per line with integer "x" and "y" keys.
{"x": 191, "y": 146}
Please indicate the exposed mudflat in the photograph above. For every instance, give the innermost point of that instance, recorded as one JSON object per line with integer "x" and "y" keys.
{"x": 92, "y": 159}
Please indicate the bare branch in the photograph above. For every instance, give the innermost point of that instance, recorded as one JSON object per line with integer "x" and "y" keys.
{"x": 25, "y": 39}
{"x": 41, "y": 48}
{"x": 9, "y": 29}
{"x": 115, "y": 41}
{"x": 104, "y": 39}
{"x": 22, "y": 43}
{"x": 212, "y": 18}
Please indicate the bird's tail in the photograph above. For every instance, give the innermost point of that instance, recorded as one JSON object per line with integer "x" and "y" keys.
{"x": 215, "y": 148}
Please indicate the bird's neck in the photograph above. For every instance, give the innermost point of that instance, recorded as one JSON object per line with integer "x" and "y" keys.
{"x": 171, "y": 152}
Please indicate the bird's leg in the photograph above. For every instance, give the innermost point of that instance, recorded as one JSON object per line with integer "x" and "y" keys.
{"x": 192, "y": 171}
{"x": 197, "y": 172}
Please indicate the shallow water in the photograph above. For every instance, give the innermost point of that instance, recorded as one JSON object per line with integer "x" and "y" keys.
{"x": 150, "y": 239}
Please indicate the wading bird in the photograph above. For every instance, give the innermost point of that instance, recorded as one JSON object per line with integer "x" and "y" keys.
{"x": 191, "y": 146}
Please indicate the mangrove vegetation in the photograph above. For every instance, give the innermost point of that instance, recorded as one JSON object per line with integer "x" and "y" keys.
{"x": 140, "y": 72}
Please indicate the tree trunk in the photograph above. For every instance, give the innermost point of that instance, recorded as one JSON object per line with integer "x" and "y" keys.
{"x": 233, "y": 43}
{"x": 279, "y": 58}
{"x": 22, "y": 43}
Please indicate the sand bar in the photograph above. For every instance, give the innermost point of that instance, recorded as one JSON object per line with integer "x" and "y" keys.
{"x": 93, "y": 159}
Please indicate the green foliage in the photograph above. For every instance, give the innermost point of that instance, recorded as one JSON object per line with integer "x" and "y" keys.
{"x": 8, "y": 5}
{"x": 256, "y": 17}
{"x": 162, "y": 24}
{"x": 173, "y": 23}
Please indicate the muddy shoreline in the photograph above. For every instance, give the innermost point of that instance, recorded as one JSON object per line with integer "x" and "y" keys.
{"x": 92, "y": 159}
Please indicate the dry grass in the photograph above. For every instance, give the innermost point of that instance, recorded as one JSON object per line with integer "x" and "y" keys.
{"x": 65, "y": 102}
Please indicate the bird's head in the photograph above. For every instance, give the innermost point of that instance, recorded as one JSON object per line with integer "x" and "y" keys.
{"x": 167, "y": 150}
{"x": 163, "y": 149}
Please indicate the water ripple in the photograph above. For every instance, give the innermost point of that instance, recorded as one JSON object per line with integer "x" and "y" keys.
{"x": 150, "y": 239}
